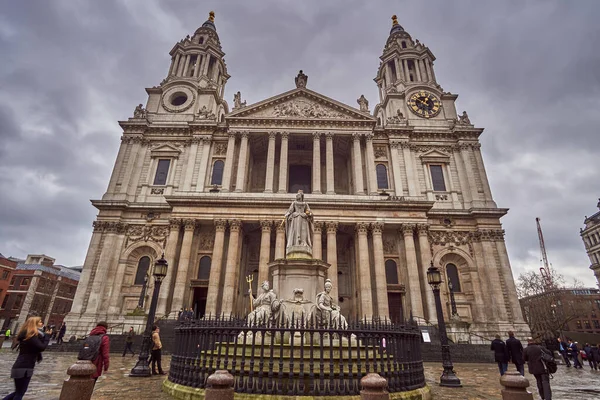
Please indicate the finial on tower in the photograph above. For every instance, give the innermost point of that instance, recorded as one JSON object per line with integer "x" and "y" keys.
{"x": 211, "y": 16}
{"x": 394, "y": 20}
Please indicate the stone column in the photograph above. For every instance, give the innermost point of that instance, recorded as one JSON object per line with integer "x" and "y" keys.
{"x": 203, "y": 164}
{"x": 170, "y": 254}
{"x": 410, "y": 172}
{"x": 88, "y": 266}
{"x": 265, "y": 251}
{"x": 329, "y": 163}
{"x": 379, "y": 267}
{"x": 214, "y": 283}
{"x": 372, "y": 174}
{"x": 487, "y": 191}
{"x": 396, "y": 169}
{"x": 280, "y": 241}
{"x": 357, "y": 163}
{"x": 463, "y": 181}
{"x": 316, "y": 178}
{"x": 206, "y": 64}
{"x": 114, "y": 177}
{"x": 429, "y": 77}
{"x": 28, "y": 300}
{"x": 228, "y": 167}
{"x": 425, "y": 250}
{"x": 191, "y": 162}
{"x": 186, "y": 67}
{"x": 283, "y": 163}
{"x": 270, "y": 163}
{"x": 242, "y": 163}
{"x": 130, "y": 165}
{"x": 181, "y": 282}
{"x": 52, "y": 300}
{"x": 332, "y": 272}
{"x": 406, "y": 71}
{"x": 181, "y": 65}
{"x": 174, "y": 62}
{"x": 466, "y": 158}
{"x": 196, "y": 66}
{"x": 414, "y": 283}
{"x": 399, "y": 69}
{"x": 317, "y": 250}
{"x": 231, "y": 267}
{"x": 364, "y": 271}
{"x": 418, "y": 69}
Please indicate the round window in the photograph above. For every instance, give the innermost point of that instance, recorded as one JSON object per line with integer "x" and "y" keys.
{"x": 178, "y": 98}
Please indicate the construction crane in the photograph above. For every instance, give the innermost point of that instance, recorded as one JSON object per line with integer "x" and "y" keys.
{"x": 545, "y": 268}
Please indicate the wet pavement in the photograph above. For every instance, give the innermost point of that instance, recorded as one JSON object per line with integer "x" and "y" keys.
{"x": 480, "y": 381}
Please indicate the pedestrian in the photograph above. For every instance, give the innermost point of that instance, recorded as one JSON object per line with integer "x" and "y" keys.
{"x": 563, "y": 350}
{"x": 61, "y": 333}
{"x": 500, "y": 354}
{"x": 7, "y": 333}
{"x": 588, "y": 354}
{"x": 31, "y": 341}
{"x": 575, "y": 353}
{"x": 129, "y": 342}
{"x": 515, "y": 352}
{"x": 156, "y": 351}
{"x": 595, "y": 356}
{"x": 533, "y": 356}
{"x": 103, "y": 359}
{"x": 179, "y": 314}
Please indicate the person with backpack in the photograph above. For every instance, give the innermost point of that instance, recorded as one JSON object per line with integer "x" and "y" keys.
{"x": 31, "y": 341}
{"x": 129, "y": 342}
{"x": 540, "y": 362}
{"x": 96, "y": 349}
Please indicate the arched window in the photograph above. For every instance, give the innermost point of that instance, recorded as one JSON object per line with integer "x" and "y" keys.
{"x": 204, "y": 268}
{"x": 217, "y": 175}
{"x": 452, "y": 274}
{"x": 403, "y": 44}
{"x": 382, "y": 178}
{"x": 201, "y": 40}
{"x": 391, "y": 272}
{"x": 142, "y": 270}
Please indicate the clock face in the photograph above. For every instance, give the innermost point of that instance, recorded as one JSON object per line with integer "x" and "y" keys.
{"x": 424, "y": 104}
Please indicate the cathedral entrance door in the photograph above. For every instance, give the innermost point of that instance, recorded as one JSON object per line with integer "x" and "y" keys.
{"x": 300, "y": 178}
{"x": 395, "y": 307}
{"x": 200, "y": 294}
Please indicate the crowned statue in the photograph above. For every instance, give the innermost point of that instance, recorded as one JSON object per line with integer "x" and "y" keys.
{"x": 325, "y": 313}
{"x": 299, "y": 227}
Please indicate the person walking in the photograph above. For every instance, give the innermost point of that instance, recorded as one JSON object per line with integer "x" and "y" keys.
{"x": 102, "y": 361}
{"x": 31, "y": 341}
{"x": 515, "y": 352}
{"x": 129, "y": 342}
{"x": 575, "y": 354}
{"x": 61, "y": 333}
{"x": 563, "y": 350}
{"x": 588, "y": 354}
{"x": 500, "y": 354}
{"x": 595, "y": 355}
{"x": 533, "y": 356}
{"x": 156, "y": 351}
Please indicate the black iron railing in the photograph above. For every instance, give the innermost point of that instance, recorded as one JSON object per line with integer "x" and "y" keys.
{"x": 297, "y": 358}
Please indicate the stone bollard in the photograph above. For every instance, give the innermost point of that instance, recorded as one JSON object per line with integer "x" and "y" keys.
{"x": 373, "y": 387}
{"x": 219, "y": 386}
{"x": 80, "y": 384}
{"x": 515, "y": 387}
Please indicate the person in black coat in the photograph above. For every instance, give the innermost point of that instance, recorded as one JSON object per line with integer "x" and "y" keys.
{"x": 32, "y": 341}
{"x": 595, "y": 356}
{"x": 500, "y": 354}
{"x": 515, "y": 352}
{"x": 533, "y": 356}
{"x": 575, "y": 354}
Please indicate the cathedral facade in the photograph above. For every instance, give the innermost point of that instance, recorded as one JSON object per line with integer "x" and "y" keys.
{"x": 392, "y": 190}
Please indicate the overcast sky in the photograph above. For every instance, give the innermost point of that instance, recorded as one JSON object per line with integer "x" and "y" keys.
{"x": 526, "y": 71}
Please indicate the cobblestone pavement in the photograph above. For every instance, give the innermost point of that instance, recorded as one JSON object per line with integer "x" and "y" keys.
{"x": 480, "y": 381}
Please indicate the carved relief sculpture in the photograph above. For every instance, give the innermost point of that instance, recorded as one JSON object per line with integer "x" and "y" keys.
{"x": 363, "y": 103}
{"x": 301, "y": 80}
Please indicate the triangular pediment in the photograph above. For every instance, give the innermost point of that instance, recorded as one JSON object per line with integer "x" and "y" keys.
{"x": 302, "y": 104}
{"x": 435, "y": 156}
{"x": 165, "y": 149}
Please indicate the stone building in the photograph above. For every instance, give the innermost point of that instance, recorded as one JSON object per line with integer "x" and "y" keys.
{"x": 7, "y": 268}
{"x": 38, "y": 287}
{"x": 392, "y": 190}
{"x": 591, "y": 240}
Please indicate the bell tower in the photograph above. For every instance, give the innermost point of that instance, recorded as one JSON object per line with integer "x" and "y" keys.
{"x": 195, "y": 84}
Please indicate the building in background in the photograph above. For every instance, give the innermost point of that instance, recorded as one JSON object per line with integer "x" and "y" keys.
{"x": 7, "y": 268}
{"x": 392, "y": 190}
{"x": 591, "y": 240}
{"x": 38, "y": 287}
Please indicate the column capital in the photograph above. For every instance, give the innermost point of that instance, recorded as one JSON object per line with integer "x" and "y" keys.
{"x": 235, "y": 225}
{"x": 407, "y": 229}
{"x": 422, "y": 229}
{"x": 329, "y": 135}
{"x": 332, "y": 226}
{"x": 369, "y": 137}
{"x": 174, "y": 223}
{"x": 284, "y": 135}
{"x": 280, "y": 227}
{"x": 316, "y": 135}
{"x": 189, "y": 224}
{"x": 244, "y": 134}
{"x": 206, "y": 140}
{"x": 377, "y": 228}
{"x": 394, "y": 144}
{"x": 362, "y": 228}
{"x": 356, "y": 136}
{"x": 319, "y": 225}
{"x": 266, "y": 225}
{"x": 232, "y": 135}
{"x": 220, "y": 225}
{"x": 404, "y": 144}
{"x": 272, "y": 135}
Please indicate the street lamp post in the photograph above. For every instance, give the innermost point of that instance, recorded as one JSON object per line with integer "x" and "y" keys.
{"x": 448, "y": 378}
{"x": 452, "y": 300}
{"x": 141, "y": 367}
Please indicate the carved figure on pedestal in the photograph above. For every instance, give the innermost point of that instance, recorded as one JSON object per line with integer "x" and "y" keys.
{"x": 301, "y": 80}
{"x": 464, "y": 119}
{"x": 262, "y": 305}
{"x": 139, "y": 112}
{"x": 325, "y": 313}
{"x": 237, "y": 101}
{"x": 299, "y": 226}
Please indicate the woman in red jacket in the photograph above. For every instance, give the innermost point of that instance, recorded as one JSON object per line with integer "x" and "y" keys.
{"x": 32, "y": 341}
{"x": 102, "y": 361}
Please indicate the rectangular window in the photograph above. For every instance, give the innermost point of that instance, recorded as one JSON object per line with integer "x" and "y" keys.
{"x": 25, "y": 282}
{"x": 18, "y": 301}
{"x": 437, "y": 178}
{"x": 162, "y": 170}
{"x": 578, "y": 324}
{"x": 5, "y": 275}
{"x": 12, "y": 281}
{"x": 596, "y": 324}
{"x": 587, "y": 325}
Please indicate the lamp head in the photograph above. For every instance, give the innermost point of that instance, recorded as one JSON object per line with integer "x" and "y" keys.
{"x": 434, "y": 276}
{"x": 160, "y": 268}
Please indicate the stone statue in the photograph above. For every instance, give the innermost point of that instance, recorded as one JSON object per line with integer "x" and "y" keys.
{"x": 139, "y": 112}
{"x": 464, "y": 119}
{"x": 325, "y": 313}
{"x": 301, "y": 80}
{"x": 263, "y": 305}
{"x": 397, "y": 119}
{"x": 363, "y": 103}
{"x": 299, "y": 226}
{"x": 237, "y": 100}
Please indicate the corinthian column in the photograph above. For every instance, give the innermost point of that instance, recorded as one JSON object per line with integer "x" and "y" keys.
{"x": 242, "y": 163}
{"x": 425, "y": 251}
{"x": 191, "y": 162}
{"x": 379, "y": 265}
{"x": 231, "y": 266}
{"x": 170, "y": 252}
{"x": 214, "y": 283}
{"x": 203, "y": 164}
{"x": 265, "y": 251}
{"x": 181, "y": 281}
{"x": 372, "y": 181}
{"x": 317, "y": 239}
{"x": 270, "y": 163}
{"x": 396, "y": 169}
{"x": 414, "y": 283}
{"x": 283, "y": 163}
{"x": 280, "y": 241}
{"x": 332, "y": 272}
{"x": 316, "y": 178}
{"x": 357, "y": 162}
{"x": 227, "y": 169}
{"x": 364, "y": 271}
{"x": 329, "y": 163}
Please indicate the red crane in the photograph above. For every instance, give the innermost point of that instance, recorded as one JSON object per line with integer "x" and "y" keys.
{"x": 545, "y": 268}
